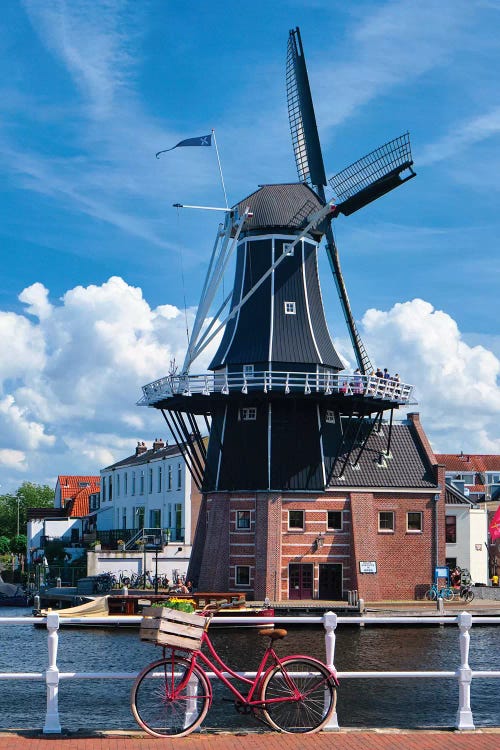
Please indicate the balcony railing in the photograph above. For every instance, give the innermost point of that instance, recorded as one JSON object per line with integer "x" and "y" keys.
{"x": 325, "y": 383}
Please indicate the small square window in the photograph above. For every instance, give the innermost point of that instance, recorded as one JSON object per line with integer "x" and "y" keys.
{"x": 288, "y": 249}
{"x": 330, "y": 417}
{"x": 295, "y": 519}
{"x": 242, "y": 519}
{"x": 243, "y": 575}
{"x": 414, "y": 521}
{"x": 248, "y": 371}
{"x": 386, "y": 520}
{"x": 248, "y": 414}
{"x": 334, "y": 520}
{"x": 290, "y": 308}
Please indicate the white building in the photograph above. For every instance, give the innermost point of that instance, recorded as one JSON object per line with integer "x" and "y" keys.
{"x": 151, "y": 489}
{"x": 466, "y": 534}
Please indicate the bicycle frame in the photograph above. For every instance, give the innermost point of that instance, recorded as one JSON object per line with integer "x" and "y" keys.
{"x": 262, "y": 671}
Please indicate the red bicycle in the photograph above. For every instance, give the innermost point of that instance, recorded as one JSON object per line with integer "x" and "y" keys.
{"x": 294, "y": 694}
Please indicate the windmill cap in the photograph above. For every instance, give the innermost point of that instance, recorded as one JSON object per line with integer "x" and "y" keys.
{"x": 280, "y": 207}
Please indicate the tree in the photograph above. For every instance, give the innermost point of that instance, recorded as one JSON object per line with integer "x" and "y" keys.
{"x": 28, "y": 495}
{"x": 18, "y": 544}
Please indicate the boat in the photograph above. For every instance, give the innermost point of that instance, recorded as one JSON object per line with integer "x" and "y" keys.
{"x": 131, "y": 605}
{"x": 13, "y": 595}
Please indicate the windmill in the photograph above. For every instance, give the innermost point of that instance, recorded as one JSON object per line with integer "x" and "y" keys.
{"x": 361, "y": 183}
{"x": 275, "y": 392}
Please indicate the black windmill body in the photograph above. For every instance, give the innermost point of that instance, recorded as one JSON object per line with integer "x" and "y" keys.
{"x": 280, "y": 412}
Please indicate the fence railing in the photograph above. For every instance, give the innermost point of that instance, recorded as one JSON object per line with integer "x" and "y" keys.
{"x": 326, "y": 383}
{"x": 462, "y": 673}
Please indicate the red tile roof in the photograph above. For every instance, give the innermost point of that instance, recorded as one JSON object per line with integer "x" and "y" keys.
{"x": 76, "y": 497}
{"x": 469, "y": 461}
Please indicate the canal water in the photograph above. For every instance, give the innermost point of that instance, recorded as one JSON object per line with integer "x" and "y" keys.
{"x": 104, "y": 704}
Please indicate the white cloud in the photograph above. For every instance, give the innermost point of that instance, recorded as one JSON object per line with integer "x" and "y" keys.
{"x": 75, "y": 405}
{"x": 12, "y": 459}
{"x": 461, "y": 137}
{"x": 456, "y": 385}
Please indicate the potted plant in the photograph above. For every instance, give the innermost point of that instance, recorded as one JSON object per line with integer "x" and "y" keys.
{"x": 121, "y": 544}
{"x": 181, "y": 605}
{"x": 96, "y": 545}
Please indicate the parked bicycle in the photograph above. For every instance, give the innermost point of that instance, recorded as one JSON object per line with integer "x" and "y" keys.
{"x": 294, "y": 694}
{"x": 432, "y": 594}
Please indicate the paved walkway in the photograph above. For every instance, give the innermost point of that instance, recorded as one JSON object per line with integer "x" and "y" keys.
{"x": 344, "y": 740}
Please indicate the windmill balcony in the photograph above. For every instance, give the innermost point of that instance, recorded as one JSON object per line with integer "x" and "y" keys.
{"x": 266, "y": 381}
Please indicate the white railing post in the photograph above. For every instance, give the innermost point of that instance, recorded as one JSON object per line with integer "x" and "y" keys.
{"x": 464, "y": 674}
{"x": 330, "y": 623}
{"x": 52, "y": 724}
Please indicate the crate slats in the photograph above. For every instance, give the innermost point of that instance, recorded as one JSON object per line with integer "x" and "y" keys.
{"x": 170, "y": 627}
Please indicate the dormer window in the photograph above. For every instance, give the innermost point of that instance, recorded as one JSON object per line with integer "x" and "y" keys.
{"x": 290, "y": 308}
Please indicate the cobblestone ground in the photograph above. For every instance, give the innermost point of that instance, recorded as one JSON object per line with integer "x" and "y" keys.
{"x": 343, "y": 740}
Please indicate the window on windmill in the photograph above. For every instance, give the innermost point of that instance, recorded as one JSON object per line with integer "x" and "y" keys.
{"x": 295, "y": 519}
{"x": 386, "y": 520}
{"x": 290, "y": 308}
{"x": 248, "y": 414}
{"x": 288, "y": 249}
{"x": 334, "y": 520}
{"x": 248, "y": 371}
{"x": 414, "y": 521}
{"x": 330, "y": 417}
{"x": 242, "y": 519}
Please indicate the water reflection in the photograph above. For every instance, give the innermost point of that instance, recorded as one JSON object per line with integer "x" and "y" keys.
{"x": 382, "y": 703}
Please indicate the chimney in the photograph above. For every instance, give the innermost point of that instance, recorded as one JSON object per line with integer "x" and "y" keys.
{"x": 158, "y": 444}
{"x": 141, "y": 448}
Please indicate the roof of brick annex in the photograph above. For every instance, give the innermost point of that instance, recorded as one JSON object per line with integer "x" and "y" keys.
{"x": 408, "y": 467}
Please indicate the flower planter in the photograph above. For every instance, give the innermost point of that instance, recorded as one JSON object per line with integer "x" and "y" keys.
{"x": 170, "y": 627}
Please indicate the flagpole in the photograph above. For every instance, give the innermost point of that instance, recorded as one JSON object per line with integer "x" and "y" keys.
{"x": 220, "y": 168}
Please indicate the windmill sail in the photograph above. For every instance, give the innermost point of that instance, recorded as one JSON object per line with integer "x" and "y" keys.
{"x": 301, "y": 115}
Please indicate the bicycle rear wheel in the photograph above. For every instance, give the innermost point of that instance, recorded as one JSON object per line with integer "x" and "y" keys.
{"x": 447, "y": 593}
{"x": 317, "y": 699}
{"x": 468, "y": 595}
{"x": 170, "y": 698}
{"x": 430, "y": 595}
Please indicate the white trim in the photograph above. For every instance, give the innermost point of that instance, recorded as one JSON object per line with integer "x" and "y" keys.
{"x": 306, "y": 298}
{"x": 220, "y": 448}
{"x": 379, "y": 490}
{"x": 321, "y": 444}
{"x": 223, "y": 360}
{"x": 269, "y": 442}
{"x": 271, "y": 322}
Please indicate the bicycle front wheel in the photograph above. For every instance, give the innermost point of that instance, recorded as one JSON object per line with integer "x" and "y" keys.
{"x": 307, "y": 713}
{"x": 170, "y": 698}
{"x": 430, "y": 595}
{"x": 447, "y": 593}
{"x": 468, "y": 595}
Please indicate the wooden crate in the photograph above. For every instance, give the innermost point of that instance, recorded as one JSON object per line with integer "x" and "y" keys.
{"x": 170, "y": 627}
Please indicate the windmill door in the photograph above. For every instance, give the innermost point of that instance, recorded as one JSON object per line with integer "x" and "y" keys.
{"x": 330, "y": 582}
{"x": 300, "y": 584}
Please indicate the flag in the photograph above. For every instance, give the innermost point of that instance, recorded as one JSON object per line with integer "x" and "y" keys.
{"x": 495, "y": 526}
{"x": 201, "y": 140}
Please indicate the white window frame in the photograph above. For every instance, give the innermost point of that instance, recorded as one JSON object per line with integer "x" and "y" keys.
{"x": 330, "y": 416}
{"x": 248, "y": 414}
{"x": 335, "y": 528}
{"x": 290, "y": 308}
{"x": 289, "y": 249}
{"x": 415, "y": 513}
{"x": 297, "y": 528}
{"x": 239, "y": 526}
{"x": 386, "y": 530}
{"x": 248, "y": 371}
{"x": 237, "y": 570}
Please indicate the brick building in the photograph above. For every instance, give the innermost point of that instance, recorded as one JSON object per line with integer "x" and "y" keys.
{"x": 380, "y": 530}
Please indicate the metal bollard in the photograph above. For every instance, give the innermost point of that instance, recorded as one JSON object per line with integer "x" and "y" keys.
{"x": 58, "y": 583}
{"x": 440, "y": 605}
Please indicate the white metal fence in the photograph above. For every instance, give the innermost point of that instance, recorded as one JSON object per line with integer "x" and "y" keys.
{"x": 462, "y": 673}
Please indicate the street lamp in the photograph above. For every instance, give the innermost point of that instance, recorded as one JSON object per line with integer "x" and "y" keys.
{"x": 18, "y": 504}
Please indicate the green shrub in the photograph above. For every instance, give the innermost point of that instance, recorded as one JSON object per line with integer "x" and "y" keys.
{"x": 182, "y": 605}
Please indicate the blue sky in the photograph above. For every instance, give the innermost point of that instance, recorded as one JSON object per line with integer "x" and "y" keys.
{"x": 97, "y": 265}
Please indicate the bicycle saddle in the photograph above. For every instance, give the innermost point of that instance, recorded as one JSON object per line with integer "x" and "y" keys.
{"x": 273, "y": 633}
